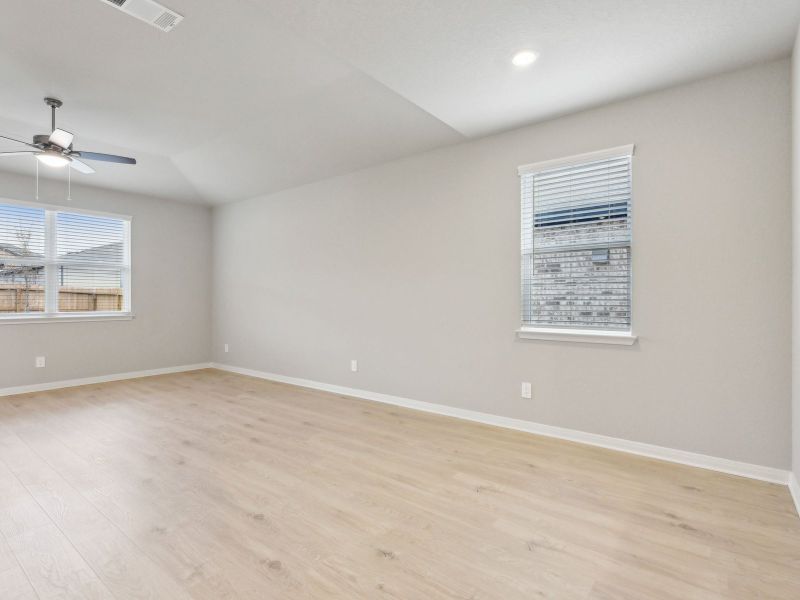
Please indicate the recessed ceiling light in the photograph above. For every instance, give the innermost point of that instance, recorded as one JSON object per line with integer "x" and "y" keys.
{"x": 524, "y": 58}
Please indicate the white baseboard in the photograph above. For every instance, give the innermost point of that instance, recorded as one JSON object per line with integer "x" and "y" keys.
{"x": 683, "y": 457}
{"x": 794, "y": 489}
{"x": 54, "y": 385}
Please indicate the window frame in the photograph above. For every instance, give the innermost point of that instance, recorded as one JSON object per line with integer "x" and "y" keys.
{"x": 51, "y": 314}
{"x": 564, "y": 334}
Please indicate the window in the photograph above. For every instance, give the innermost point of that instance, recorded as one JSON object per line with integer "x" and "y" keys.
{"x": 60, "y": 264}
{"x": 576, "y": 247}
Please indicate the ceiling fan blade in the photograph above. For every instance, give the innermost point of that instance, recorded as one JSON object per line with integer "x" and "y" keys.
{"x": 61, "y": 138}
{"x": 23, "y": 153}
{"x": 81, "y": 166}
{"x": 104, "y": 157}
{"x": 5, "y": 137}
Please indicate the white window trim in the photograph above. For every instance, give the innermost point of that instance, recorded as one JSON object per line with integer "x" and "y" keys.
{"x": 565, "y": 334}
{"x": 65, "y": 317}
{"x": 51, "y": 315}
{"x": 585, "y": 336}
{"x": 576, "y": 159}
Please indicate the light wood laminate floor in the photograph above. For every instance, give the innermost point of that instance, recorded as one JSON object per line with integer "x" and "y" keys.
{"x": 211, "y": 485}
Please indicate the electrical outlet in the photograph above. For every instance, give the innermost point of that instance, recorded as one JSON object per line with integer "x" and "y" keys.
{"x": 40, "y": 362}
{"x": 526, "y": 390}
{"x": 354, "y": 365}
{"x": 226, "y": 347}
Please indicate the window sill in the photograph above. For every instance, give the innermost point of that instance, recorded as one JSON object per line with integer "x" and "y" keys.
{"x": 65, "y": 317}
{"x": 585, "y": 336}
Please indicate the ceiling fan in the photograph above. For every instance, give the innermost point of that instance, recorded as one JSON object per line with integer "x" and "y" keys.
{"x": 55, "y": 149}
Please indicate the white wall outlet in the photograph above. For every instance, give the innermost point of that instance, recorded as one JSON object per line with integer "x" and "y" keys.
{"x": 354, "y": 365}
{"x": 526, "y": 389}
{"x": 226, "y": 347}
{"x": 40, "y": 362}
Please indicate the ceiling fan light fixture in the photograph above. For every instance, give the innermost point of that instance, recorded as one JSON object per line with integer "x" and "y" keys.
{"x": 55, "y": 148}
{"x": 53, "y": 159}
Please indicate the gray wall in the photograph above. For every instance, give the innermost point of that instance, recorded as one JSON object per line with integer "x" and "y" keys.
{"x": 171, "y": 285}
{"x": 412, "y": 268}
{"x": 796, "y": 258}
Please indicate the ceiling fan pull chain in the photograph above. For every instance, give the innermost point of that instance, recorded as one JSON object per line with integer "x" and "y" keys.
{"x": 37, "y": 179}
{"x": 69, "y": 184}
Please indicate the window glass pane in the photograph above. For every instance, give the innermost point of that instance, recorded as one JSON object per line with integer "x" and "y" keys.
{"x": 89, "y": 289}
{"x": 21, "y": 232}
{"x": 21, "y": 259}
{"x": 576, "y": 246}
{"x": 583, "y": 288}
{"x": 90, "y": 251}
{"x": 21, "y": 287}
{"x": 87, "y": 238}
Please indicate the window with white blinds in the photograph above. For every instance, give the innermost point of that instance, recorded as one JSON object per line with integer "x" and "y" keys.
{"x": 576, "y": 242}
{"x": 57, "y": 262}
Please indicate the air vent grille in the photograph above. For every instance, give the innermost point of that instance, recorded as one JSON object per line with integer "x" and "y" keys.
{"x": 166, "y": 21}
{"x": 149, "y": 11}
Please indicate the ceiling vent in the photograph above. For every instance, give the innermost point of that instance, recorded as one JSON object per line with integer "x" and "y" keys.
{"x": 149, "y": 12}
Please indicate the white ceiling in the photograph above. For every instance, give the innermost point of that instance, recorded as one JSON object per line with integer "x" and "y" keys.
{"x": 246, "y": 97}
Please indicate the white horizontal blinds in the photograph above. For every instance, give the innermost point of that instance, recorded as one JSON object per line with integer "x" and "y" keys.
{"x": 22, "y": 259}
{"x": 576, "y": 245}
{"x": 526, "y": 181}
{"x": 91, "y": 265}
{"x": 55, "y": 261}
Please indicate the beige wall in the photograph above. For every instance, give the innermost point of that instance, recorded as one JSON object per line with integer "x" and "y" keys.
{"x": 412, "y": 268}
{"x": 796, "y": 258}
{"x": 171, "y": 254}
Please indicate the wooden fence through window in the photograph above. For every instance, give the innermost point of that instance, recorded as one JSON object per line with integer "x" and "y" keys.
{"x": 16, "y": 298}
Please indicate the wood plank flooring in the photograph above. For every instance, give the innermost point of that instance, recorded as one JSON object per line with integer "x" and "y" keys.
{"x": 209, "y": 485}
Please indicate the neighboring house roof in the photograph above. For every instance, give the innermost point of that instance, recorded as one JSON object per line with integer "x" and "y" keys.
{"x": 72, "y": 273}
{"x": 11, "y": 251}
{"x": 111, "y": 252}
